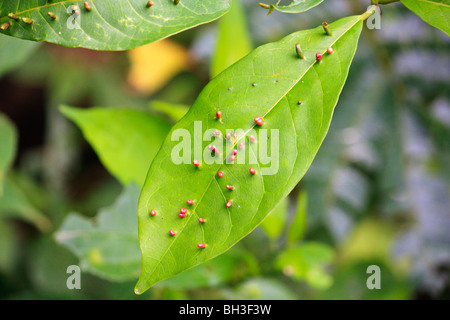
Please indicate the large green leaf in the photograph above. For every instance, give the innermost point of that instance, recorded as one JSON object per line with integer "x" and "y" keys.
{"x": 125, "y": 140}
{"x": 433, "y": 12}
{"x": 110, "y": 25}
{"x": 233, "y": 39}
{"x": 109, "y": 247}
{"x": 8, "y": 145}
{"x": 268, "y": 82}
{"x": 296, "y": 6}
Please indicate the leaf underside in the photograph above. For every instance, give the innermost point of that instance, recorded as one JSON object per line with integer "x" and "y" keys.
{"x": 269, "y": 82}
{"x": 296, "y": 6}
{"x": 433, "y": 12}
{"x": 110, "y": 25}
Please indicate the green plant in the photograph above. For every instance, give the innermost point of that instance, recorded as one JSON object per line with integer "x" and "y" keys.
{"x": 293, "y": 84}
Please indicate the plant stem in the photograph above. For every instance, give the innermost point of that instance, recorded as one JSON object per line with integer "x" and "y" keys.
{"x": 368, "y": 13}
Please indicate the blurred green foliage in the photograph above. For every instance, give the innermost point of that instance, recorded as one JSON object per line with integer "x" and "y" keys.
{"x": 376, "y": 194}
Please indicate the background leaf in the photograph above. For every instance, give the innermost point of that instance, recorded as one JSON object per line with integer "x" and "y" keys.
{"x": 14, "y": 52}
{"x": 296, "y": 6}
{"x": 154, "y": 64}
{"x": 108, "y": 247}
{"x": 125, "y": 140}
{"x": 14, "y": 203}
{"x": 306, "y": 262}
{"x": 433, "y": 12}
{"x": 297, "y": 228}
{"x": 274, "y": 223}
{"x": 8, "y": 137}
{"x": 118, "y": 25}
{"x": 233, "y": 39}
{"x": 268, "y": 82}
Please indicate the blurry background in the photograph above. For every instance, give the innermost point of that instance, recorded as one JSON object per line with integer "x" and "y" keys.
{"x": 377, "y": 193}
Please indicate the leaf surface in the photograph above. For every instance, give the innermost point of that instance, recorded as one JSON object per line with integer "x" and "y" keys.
{"x": 296, "y": 6}
{"x": 110, "y": 25}
{"x": 125, "y": 140}
{"x": 8, "y": 145}
{"x": 433, "y": 12}
{"x": 269, "y": 82}
{"x": 108, "y": 247}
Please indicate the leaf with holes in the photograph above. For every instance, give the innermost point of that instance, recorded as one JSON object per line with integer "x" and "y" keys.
{"x": 233, "y": 168}
{"x": 296, "y": 6}
{"x": 433, "y": 12}
{"x": 104, "y": 24}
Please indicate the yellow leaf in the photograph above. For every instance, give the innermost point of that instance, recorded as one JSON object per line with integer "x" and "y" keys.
{"x": 153, "y": 65}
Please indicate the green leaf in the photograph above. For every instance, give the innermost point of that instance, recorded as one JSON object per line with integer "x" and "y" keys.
{"x": 110, "y": 25}
{"x": 306, "y": 262}
{"x": 8, "y": 145}
{"x": 268, "y": 82}
{"x": 262, "y": 289}
{"x": 125, "y": 140}
{"x": 274, "y": 223}
{"x": 233, "y": 40}
{"x": 14, "y": 52}
{"x": 296, "y": 6}
{"x": 297, "y": 228}
{"x": 109, "y": 247}
{"x": 433, "y": 12}
{"x": 15, "y": 203}
{"x": 174, "y": 111}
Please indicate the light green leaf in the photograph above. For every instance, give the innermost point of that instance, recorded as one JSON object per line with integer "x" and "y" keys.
{"x": 233, "y": 39}
{"x": 433, "y": 12}
{"x": 107, "y": 247}
{"x": 297, "y": 228}
{"x": 274, "y": 223}
{"x": 8, "y": 145}
{"x": 110, "y": 25}
{"x": 268, "y": 82}
{"x": 14, "y": 52}
{"x": 174, "y": 111}
{"x": 306, "y": 262}
{"x": 125, "y": 140}
{"x": 296, "y": 6}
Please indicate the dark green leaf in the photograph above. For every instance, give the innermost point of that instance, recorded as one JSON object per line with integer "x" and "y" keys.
{"x": 268, "y": 82}
{"x": 110, "y": 25}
